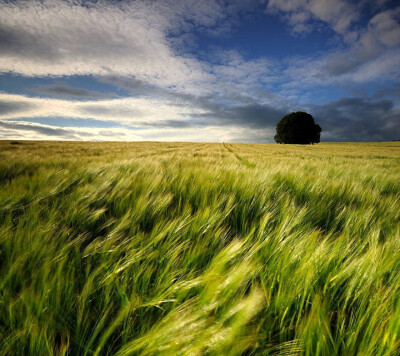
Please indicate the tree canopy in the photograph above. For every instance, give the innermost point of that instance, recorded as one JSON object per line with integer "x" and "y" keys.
{"x": 299, "y": 128}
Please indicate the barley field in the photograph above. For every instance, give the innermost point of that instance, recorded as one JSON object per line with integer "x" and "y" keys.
{"x": 199, "y": 249}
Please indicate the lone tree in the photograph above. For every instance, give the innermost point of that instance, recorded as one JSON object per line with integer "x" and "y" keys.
{"x": 298, "y": 127}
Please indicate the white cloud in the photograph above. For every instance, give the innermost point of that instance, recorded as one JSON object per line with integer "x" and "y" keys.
{"x": 386, "y": 28}
{"x": 287, "y": 6}
{"x": 134, "y": 40}
{"x": 338, "y": 14}
{"x": 373, "y": 56}
{"x": 125, "y": 38}
{"x": 139, "y": 40}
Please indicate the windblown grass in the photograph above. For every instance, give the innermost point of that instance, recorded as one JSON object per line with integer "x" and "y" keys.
{"x": 199, "y": 249}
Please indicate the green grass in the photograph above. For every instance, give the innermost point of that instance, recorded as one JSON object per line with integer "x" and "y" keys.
{"x": 199, "y": 249}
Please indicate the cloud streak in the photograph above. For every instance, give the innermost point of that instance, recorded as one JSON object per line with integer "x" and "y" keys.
{"x": 10, "y": 130}
{"x": 190, "y": 111}
{"x": 124, "y": 110}
{"x": 61, "y": 90}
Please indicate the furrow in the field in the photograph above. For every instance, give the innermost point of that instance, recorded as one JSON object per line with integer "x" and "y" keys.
{"x": 238, "y": 157}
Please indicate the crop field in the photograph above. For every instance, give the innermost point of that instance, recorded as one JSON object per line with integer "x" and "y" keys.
{"x": 199, "y": 249}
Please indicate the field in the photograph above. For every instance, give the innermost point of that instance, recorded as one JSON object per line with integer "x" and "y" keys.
{"x": 199, "y": 249}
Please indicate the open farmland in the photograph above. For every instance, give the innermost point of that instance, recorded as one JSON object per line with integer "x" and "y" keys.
{"x": 199, "y": 249}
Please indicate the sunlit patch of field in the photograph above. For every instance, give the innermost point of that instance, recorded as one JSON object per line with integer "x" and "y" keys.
{"x": 193, "y": 248}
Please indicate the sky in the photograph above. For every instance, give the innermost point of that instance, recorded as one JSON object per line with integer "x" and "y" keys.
{"x": 198, "y": 70}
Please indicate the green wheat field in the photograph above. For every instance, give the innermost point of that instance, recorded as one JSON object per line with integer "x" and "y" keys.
{"x": 199, "y": 249}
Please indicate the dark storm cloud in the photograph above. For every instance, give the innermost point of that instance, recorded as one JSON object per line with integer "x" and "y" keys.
{"x": 66, "y": 91}
{"x": 256, "y": 116}
{"x": 44, "y": 130}
{"x": 358, "y": 119}
{"x": 14, "y": 106}
{"x": 393, "y": 93}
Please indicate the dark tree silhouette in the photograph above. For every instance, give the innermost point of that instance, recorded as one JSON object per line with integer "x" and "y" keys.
{"x": 298, "y": 127}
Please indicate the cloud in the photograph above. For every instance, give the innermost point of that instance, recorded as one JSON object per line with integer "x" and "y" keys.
{"x": 122, "y": 110}
{"x": 140, "y": 88}
{"x": 358, "y": 119}
{"x": 173, "y": 124}
{"x": 11, "y": 130}
{"x": 374, "y": 57}
{"x": 386, "y": 27}
{"x": 15, "y": 106}
{"x": 100, "y": 38}
{"x": 373, "y": 118}
{"x": 141, "y": 47}
{"x": 127, "y": 111}
{"x": 60, "y": 90}
{"x": 391, "y": 93}
{"x": 246, "y": 116}
{"x": 136, "y": 111}
{"x": 155, "y": 118}
{"x": 229, "y": 75}
{"x": 26, "y": 130}
{"x": 136, "y": 42}
{"x": 16, "y": 42}
{"x": 36, "y": 129}
{"x": 369, "y": 53}
{"x": 144, "y": 41}
{"x": 231, "y": 67}
{"x": 381, "y": 38}
{"x": 338, "y": 14}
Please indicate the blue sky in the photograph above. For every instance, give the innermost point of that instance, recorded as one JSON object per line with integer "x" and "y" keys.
{"x": 204, "y": 70}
